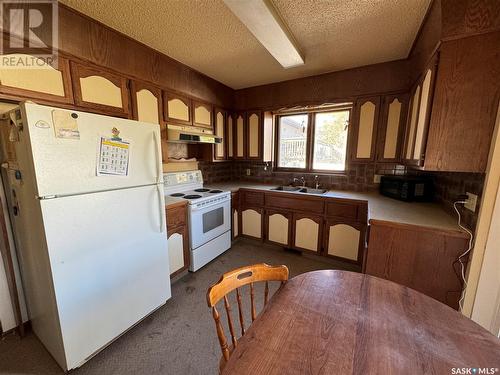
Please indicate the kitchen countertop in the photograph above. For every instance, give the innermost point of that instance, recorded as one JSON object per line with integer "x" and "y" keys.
{"x": 379, "y": 207}
{"x": 174, "y": 201}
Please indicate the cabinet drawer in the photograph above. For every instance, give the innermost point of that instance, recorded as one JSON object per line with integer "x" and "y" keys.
{"x": 301, "y": 203}
{"x": 176, "y": 216}
{"x": 252, "y": 198}
{"x": 344, "y": 210}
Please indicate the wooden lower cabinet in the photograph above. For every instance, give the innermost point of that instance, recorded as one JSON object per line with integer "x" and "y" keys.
{"x": 326, "y": 226}
{"x": 236, "y": 223}
{"x": 344, "y": 240}
{"x": 251, "y": 222}
{"x": 278, "y": 227}
{"x": 235, "y": 211}
{"x": 421, "y": 258}
{"x": 307, "y": 232}
{"x": 178, "y": 250}
{"x": 178, "y": 238}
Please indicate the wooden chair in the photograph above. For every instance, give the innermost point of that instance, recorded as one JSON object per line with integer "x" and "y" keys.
{"x": 234, "y": 280}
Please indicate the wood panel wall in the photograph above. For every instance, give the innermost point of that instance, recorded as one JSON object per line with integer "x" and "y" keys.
{"x": 325, "y": 88}
{"x": 469, "y": 17}
{"x": 90, "y": 40}
{"x": 426, "y": 42}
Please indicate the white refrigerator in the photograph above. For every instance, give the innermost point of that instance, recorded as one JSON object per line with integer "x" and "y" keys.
{"x": 89, "y": 222}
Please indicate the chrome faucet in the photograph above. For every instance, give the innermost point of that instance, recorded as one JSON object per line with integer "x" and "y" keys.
{"x": 302, "y": 179}
{"x": 316, "y": 181}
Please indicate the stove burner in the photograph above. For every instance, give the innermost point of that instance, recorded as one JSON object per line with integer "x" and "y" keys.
{"x": 177, "y": 195}
{"x": 215, "y": 191}
{"x": 192, "y": 196}
{"x": 201, "y": 190}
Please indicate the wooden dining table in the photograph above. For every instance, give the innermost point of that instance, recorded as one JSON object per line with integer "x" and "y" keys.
{"x": 338, "y": 322}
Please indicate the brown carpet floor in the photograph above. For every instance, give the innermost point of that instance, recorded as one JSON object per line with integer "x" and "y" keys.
{"x": 179, "y": 338}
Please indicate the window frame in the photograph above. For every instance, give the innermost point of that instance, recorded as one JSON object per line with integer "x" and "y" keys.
{"x": 311, "y": 127}
{"x": 277, "y": 144}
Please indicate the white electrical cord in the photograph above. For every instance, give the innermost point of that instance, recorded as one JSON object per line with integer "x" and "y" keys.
{"x": 462, "y": 265}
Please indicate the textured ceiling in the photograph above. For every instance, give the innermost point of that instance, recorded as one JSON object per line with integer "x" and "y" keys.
{"x": 203, "y": 34}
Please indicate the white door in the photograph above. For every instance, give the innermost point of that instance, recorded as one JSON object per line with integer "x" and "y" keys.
{"x": 109, "y": 260}
{"x": 69, "y": 166}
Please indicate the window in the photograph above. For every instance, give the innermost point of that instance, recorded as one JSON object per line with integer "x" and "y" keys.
{"x": 315, "y": 141}
{"x": 292, "y": 141}
{"x": 330, "y": 140}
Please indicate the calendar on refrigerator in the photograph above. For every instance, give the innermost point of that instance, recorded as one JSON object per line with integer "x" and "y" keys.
{"x": 113, "y": 157}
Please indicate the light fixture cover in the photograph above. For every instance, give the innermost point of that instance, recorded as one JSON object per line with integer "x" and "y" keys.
{"x": 264, "y": 22}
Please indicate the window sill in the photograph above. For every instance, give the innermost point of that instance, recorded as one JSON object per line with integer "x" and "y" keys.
{"x": 310, "y": 172}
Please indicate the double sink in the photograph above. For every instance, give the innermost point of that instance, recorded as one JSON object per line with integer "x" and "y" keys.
{"x": 300, "y": 189}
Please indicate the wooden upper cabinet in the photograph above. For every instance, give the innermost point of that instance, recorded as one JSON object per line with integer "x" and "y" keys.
{"x": 247, "y": 133}
{"x": 47, "y": 84}
{"x": 365, "y": 124}
{"x": 464, "y": 104}
{"x": 230, "y": 136}
{"x": 220, "y": 131}
{"x": 100, "y": 90}
{"x": 267, "y": 136}
{"x": 202, "y": 114}
{"x": 177, "y": 108}
{"x": 239, "y": 134}
{"x": 423, "y": 118}
{"x": 418, "y": 119}
{"x": 146, "y": 102}
{"x": 254, "y": 135}
{"x": 391, "y": 131}
{"x": 409, "y": 143}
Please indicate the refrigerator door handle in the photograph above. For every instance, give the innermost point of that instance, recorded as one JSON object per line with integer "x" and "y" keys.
{"x": 159, "y": 169}
{"x": 161, "y": 208}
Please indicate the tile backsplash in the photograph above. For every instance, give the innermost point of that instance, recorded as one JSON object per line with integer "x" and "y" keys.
{"x": 359, "y": 177}
{"x": 448, "y": 186}
{"x": 217, "y": 171}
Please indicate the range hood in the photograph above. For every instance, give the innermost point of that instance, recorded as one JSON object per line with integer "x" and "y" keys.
{"x": 191, "y": 134}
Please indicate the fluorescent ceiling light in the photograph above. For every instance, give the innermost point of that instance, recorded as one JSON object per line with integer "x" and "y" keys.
{"x": 260, "y": 17}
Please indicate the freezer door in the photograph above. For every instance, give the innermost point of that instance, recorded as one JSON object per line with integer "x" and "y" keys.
{"x": 65, "y": 166}
{"x": 109, "y": 261}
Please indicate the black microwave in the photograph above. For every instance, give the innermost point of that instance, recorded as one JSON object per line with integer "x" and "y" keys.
{"x": 407, "y": 188}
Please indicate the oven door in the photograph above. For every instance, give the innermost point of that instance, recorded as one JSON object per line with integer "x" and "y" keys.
{"x": 208, "y": 222}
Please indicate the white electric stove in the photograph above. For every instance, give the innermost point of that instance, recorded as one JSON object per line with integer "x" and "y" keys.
{"x": 209, "y": 213}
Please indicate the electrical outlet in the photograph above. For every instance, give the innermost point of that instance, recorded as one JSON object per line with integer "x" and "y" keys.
{"x": 376, "y": 178}
{"x": 471, "y": 202}
{"x": 248, "y": 171}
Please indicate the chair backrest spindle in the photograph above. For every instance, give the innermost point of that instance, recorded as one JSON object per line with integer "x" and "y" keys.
{"x": 220, "y": 334}
{"x": 266, "y": 293}
{"x": 234, "y": 280}
{"x": 240, "y": 312}
{"x": 230, "y": 321}
{"x": 252, "y": 302}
